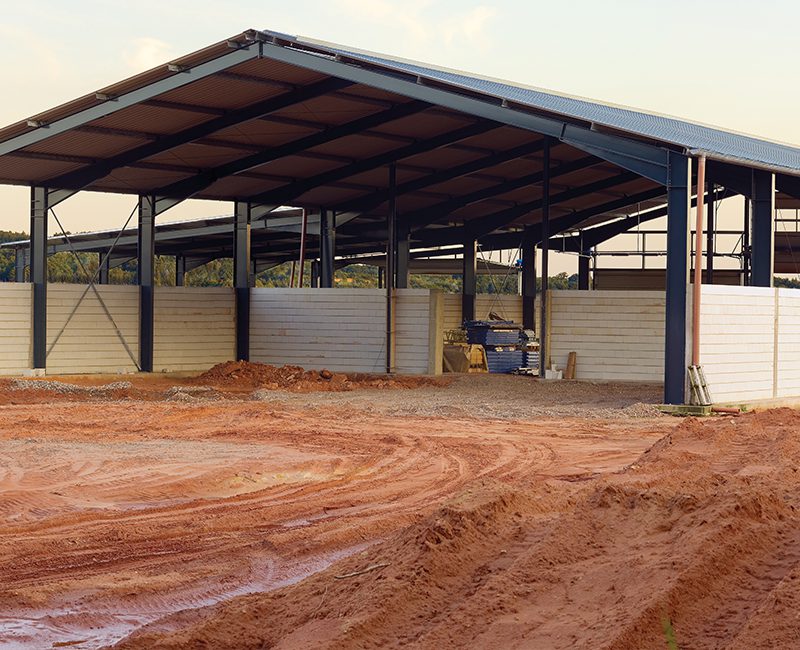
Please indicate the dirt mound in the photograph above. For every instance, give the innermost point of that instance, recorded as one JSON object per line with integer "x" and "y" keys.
{"x": 699, "y": 537}
{"x": 245, "y": 374}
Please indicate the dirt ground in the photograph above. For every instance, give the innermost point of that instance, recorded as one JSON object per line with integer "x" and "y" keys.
{"x": 157, "y": 515}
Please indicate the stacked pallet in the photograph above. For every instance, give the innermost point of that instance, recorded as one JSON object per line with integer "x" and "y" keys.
{"x": 501, "y": 342}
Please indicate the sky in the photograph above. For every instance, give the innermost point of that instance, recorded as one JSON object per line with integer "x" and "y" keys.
{"x": 729, "y": 63}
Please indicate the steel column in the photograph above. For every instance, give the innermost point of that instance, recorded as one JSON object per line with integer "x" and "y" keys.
{"x": 38, "y": 273}
{"x": 19, "y": 264}
{"x": 315, "y": 274}
{"x": 529, "y": 279}
{"x": 583, "y": 271}
{"x": 391, "y": 253}
{"x": 180, "y": 270}
{"x": 403, "y": 255}
{"x": 710, "y": 249}
{"x": 146, "y": 278}
{"x": 469, "y": 280}
{"x": 104, "y": 264}
{"x": 242, "y": 278}
{"x": 543, "y": 349}
{"x": 678, "y": 202}
{"x": 763, "y": 244}
{"x": 746, "y": 243}
{"x": 327, "y": 247}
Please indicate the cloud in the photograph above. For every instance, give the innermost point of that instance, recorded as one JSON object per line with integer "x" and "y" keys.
{"x": 408, "y": 16}
{"x": 424, "y": 21}
{"x": 146, "y": 52}
{"x": 471, "y": 26}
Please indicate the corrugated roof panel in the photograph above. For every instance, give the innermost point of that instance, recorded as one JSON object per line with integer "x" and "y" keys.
{"x": 151, "y": 119}
{"x": 90, "y": 144}
{"x": 221, "y": 92}
{"x": 12, "y": 169}
{"x": 690, "y": 135}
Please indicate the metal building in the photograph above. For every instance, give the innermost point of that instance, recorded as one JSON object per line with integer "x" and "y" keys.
{"x": 388, "y": 154}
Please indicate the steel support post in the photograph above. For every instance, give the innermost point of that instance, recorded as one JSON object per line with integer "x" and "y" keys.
{"x": 391, "y": 258}
{"x": 315, "y": 274}
{"x": 763, "y": 243}
{"x": 38, "y": 273}
{"x": 678, "y": 207}
{"x": 544, "y": 352}
{"x": 327, "y": 247}
{"x": 104, "y": 267}
{"x": 180, "y": 270}
{"x": 583, "y": 271}
{"x": 529, "y": 279}
{"x": 710, "y": 227}
{"x": 19, "y": 264}
{"x": 469, "y": 280}
{"x": 403, "y": 255}
{"x": 746, "y": 244}
{"x": 242, "y": 278}
{"x": 146, "y": 279}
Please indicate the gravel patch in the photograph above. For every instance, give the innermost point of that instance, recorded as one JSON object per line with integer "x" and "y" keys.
{"x": 63, "y": 388}
{"x": 495, "y": 397}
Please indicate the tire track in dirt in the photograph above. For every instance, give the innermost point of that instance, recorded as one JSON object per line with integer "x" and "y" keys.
{"x": 113, "y": 515}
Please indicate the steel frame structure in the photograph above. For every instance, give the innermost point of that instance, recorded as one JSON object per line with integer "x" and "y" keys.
{"x": 457, "y": 186}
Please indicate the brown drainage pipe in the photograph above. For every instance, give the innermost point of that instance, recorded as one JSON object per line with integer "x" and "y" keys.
{"x": 698, "y": 260}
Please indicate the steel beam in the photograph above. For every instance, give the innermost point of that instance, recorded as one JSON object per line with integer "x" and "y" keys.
{"x": 710, "y": 227}
{"x": 20, "y": 263}
{"x": 746, "y": 243}
{"x": 484, "y": 225}
{"x": 427, "y": 216}
{"x": 544, "y": 348}
{"x": 403, "y": 255}
{"x": 104, "y": 263}
{"x": 327, "y": 226}
{"x": 38, "y": 273}
{"x": 469, "y": 280}
{"x": 112, "y": 105}
{"x": 763, "y": 241}
{"x": 391, "y": 258}
{"x": 679, "y": 193}
{"x": 180, "y": 269}
{"x": 643, "y": 159}
{"x": 83, "y": 177}
{"x": 242, "y": 278}
{"x": 286, "y": 194}
{"x": 583, "y": 271}
{"x": 315, "y": 274}
{"x": 504, "y": 217}
{"x": 529, "y": 279}
{"x": 372, "y": 201}
{"x": 191, "y": 186}
{"x": 146, "y": 279}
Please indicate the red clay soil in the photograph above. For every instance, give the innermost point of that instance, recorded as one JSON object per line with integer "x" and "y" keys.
{"x": 245, "y": 374}
{"x": 113, "y": 515}
{"x": 698, "y": 538}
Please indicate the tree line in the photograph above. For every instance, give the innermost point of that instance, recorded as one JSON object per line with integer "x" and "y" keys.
{"x": 69, "y": 268}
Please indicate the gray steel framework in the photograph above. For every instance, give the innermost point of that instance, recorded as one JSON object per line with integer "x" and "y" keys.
{"x": 437, "y": 132}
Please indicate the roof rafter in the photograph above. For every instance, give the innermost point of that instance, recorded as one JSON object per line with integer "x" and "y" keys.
{"x": 191, "y": 186}
{"x": 284, "y": 195}
{"x": 82, "y": 177}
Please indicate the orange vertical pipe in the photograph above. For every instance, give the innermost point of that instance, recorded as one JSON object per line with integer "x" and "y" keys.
{"x": 698, "y": 260}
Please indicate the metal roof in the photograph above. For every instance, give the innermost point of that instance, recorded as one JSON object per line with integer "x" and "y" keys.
{"x": 280, "y": 120}
{"x": 694, "y": 137}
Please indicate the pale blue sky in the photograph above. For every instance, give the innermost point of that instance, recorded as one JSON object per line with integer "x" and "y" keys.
{"x": 730, "y": 63}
